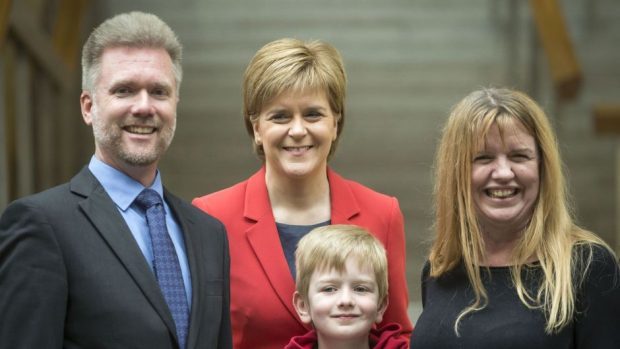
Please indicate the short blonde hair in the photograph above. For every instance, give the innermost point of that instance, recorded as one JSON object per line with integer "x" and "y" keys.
{"x": 291, "y": 64}
{"x": 329, "y": 247}
{"x": 551, "y": 233}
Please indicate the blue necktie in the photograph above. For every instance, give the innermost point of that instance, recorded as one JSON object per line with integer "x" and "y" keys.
{"x": 166, "y": 262}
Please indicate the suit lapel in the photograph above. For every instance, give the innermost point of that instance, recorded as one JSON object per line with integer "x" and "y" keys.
{"x": 103, "y": 214}
{"x": 263, "y": 235}
{"x": 264, "y": 239}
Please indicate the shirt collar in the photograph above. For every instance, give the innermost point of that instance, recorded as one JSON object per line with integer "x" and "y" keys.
{"x": 121, "y": 188}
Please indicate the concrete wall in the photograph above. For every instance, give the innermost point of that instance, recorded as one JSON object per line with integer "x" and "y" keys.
{"x": 408, "y": 62}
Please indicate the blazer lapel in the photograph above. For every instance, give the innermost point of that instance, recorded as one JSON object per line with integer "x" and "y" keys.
{"x": 344, "y": 205}
{"x": 106, "y": 219}
{"x": 187, "y": 227}
{"x": 264, "y": 239}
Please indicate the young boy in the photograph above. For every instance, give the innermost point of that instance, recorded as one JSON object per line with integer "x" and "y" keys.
{"x": 342, "y": 291}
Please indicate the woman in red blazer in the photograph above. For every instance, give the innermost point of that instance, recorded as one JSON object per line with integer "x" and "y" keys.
{"x": 294, "y": 111}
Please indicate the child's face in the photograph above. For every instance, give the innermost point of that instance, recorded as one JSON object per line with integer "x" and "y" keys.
{"x": 342, "y": 306}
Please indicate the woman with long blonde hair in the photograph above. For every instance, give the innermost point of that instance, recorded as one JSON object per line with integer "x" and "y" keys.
{"x": 509, "y": 268}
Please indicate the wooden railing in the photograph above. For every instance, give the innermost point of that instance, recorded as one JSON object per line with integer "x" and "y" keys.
{"x": 607, "y": 119}
{"x": 567, "y": 78}
{"x": 39, "y": 74}
{"x": 561, "y": 57}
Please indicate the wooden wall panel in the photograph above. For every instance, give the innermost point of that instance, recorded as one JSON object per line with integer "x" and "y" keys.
{"x": 66, "y": 33}
{"x": 46, "y": 133}
{"x": 40, "y": 88}
{"x": 616, "y": 244}
{"x": 607, "y": 119}
{"x": 39, "y": 45}
{"x": 5, "y": 10}
{"x": 4, "y": 195}
{"x": 8, "y": 67}
{"x": 24, "y": 125}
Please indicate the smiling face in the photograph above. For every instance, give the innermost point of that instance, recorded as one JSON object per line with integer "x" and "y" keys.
{"x": 342, "y": 307}
{"x": 133, "y": 106}
{"x": 505, "y": 179}
{"x": 296, "y": 131}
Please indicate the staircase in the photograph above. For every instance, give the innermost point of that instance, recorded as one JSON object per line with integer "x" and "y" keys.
{"x": 408, "y": 62}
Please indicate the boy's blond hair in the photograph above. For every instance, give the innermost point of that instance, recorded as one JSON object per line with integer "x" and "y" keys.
{"x": 329, "y": 247}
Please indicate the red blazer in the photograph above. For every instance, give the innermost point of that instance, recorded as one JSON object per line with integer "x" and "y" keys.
{"x": 261, "y": 284}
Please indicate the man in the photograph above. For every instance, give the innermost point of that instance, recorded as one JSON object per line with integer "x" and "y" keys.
{"x": 101, "y": 261}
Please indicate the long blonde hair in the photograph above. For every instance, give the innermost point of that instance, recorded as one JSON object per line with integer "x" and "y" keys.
{"x": 551, "y": 233}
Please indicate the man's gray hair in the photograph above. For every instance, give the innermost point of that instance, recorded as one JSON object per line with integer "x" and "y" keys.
{"x": 133, "y": 29}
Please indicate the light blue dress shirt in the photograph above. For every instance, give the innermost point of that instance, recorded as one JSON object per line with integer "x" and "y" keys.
{"x": 123, "y": 190}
